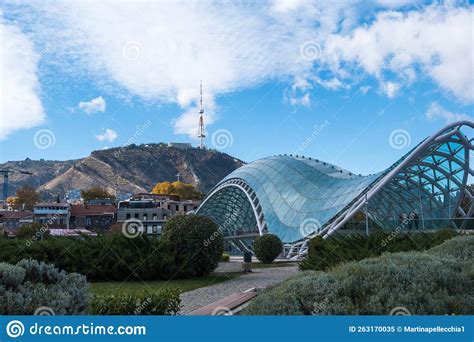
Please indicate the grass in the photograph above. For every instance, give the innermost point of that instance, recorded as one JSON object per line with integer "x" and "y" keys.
{"x": 132, "y": 287}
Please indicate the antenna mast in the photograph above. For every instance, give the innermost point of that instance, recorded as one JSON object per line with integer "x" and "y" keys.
{"x": 201, "y": 134}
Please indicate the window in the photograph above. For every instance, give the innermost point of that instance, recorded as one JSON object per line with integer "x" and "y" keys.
{"x": 145, "y": 217}
{"x": 137, "y": 216}
{"x": 177, "y": 207}
{"x": 127, "y": 216}
{"x": 165, "y": 216}
{"x": 155, "y": 229}
{"x": 155, "y": 217}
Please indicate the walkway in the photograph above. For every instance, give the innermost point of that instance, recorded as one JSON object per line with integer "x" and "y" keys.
{"x": 259, "y": 278}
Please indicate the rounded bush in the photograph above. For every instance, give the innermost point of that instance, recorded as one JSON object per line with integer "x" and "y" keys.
{"x": 267, "y": 247}
{"x": 29, "y": 286}
{"x": 196, "y": 242}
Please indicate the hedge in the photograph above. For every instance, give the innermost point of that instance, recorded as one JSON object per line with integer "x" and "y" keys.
{"x": 116, "y": 257}
{"x": 323, "y": 254}
{"x": 435, "y": 282}
{"x": 267, "y": 247}
{"x": 165, "y": 302}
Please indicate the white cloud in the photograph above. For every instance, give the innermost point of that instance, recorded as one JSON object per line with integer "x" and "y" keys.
{"x": 95, "y": 105}
{"x": 365, "y": 89}
{"x": 435, "y": 41}
{"x": 436, "y": 111}
{"x": 108, "y": 135}
{"x": 390, "y": 89}
{"x": 20, "y": 104}
{"x": 161, "y": 50}
{"x": 299, "y": 93}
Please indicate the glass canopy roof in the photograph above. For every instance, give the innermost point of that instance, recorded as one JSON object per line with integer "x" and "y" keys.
{"x": 296, "y": 197}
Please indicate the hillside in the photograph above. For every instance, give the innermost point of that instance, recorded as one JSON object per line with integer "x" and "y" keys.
{"x": 126, "y": 169}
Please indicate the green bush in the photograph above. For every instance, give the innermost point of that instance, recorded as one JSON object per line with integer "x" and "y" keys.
{"x": 460, "y": 248}
{"x": 29, "y": 285}
{"x": 323, "y": 254}
{"x": 267, "y": 247}
{"x": 225, "y": 257}
{"x": 196, "y": 242}
{"x": 103, "y": 258}
{"x": 422, "y": 282}
{"x": 166, "y": 302}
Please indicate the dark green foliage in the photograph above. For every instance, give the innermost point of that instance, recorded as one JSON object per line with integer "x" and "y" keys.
{"x": 325, "y": 254}
{"x": 424, "y": 283}
{"x": 29, "y": 285}
{"x": 165, "y": 302}
{"x": 267, "y": 247}
{"x": 196, "y": 243}
{"x": 113, "y": 257}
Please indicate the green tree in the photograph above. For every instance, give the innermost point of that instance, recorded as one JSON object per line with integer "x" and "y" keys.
{"x": 33, "y": 230}
{"x": 196, "y": 242}
{"x": 267, "y": 247}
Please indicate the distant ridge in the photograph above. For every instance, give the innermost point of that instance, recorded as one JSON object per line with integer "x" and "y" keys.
{"x": 133, "y": 168}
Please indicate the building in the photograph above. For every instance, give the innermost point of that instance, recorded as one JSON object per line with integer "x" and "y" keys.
{"x": 179, "y": 145}
{"x": 152, "y": 211}
{"x": 52, "y": 215}
{"x": 92, "y": 216}
{"x": 10, "y": 219}
{"x": 297, "y": 198}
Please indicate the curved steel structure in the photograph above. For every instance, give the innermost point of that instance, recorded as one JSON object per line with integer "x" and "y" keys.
{"x": 297, "y": 198}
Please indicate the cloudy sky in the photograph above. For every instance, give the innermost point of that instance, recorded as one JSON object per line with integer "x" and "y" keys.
{"x": 355, "y": 83}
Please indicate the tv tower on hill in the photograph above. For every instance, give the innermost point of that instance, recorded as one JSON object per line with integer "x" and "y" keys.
{"x": 201, "y": 133}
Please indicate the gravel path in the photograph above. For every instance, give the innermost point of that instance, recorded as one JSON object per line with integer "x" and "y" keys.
{"x": 260, "y": 278}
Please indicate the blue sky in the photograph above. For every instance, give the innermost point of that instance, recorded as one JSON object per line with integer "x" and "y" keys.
{"x": 356, "y": 84}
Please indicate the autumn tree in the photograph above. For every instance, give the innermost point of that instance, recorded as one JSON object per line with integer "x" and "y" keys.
{"x": 96, "y": 192}
{"x": 25, "y": 199}
{"x": 184, "y": 190}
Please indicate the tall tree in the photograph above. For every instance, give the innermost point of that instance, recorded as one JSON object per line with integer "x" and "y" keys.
{"x": 26, "y": 198}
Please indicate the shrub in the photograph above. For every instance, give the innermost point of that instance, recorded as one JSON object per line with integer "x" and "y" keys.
{"x": 29, "y": 285}
{"x": 114, "y": 257}
{"x": 225, "y": 257}
{"x": 422, "y": 282}
{"x": 325, "y": 254}
{"x": 166, "y": 302}
{"x": 460, "y": 248}
{"x": 267, "y": 247}
{"x": 196, "y": 242}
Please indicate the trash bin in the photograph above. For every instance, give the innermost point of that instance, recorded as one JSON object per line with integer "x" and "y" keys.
{"x": 247, "y": 264}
